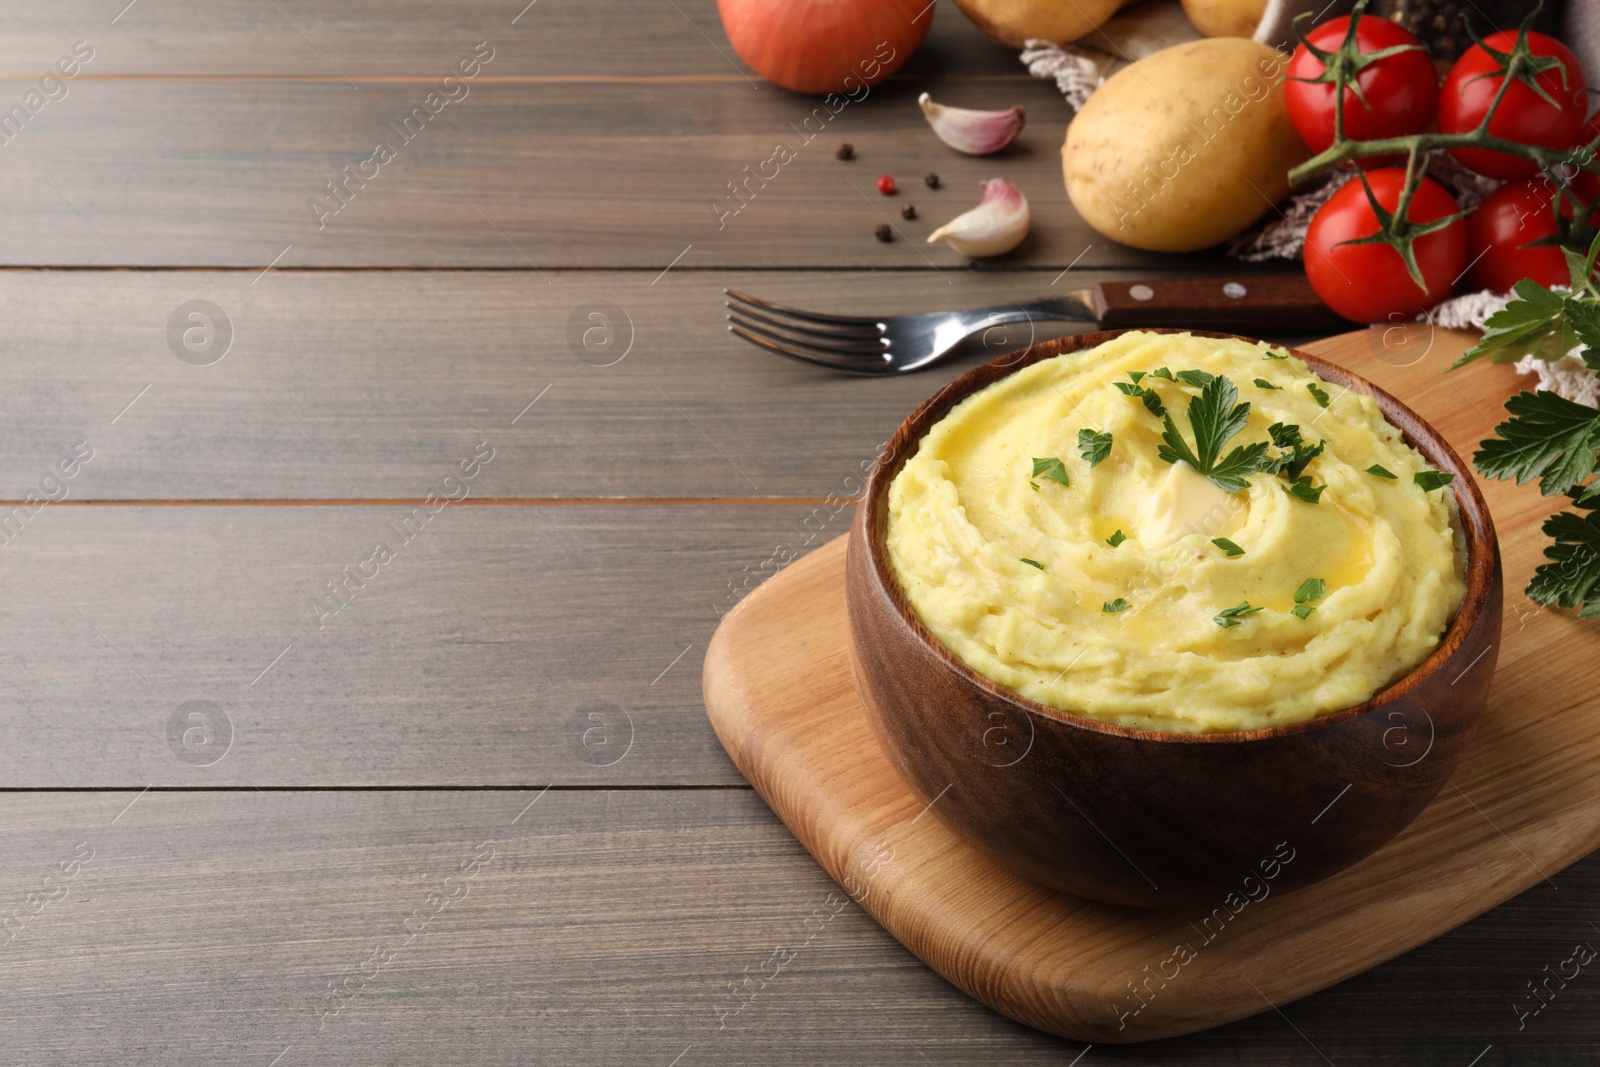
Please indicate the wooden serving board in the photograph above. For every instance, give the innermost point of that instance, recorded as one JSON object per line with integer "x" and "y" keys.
{"x": 1524, "y": 804}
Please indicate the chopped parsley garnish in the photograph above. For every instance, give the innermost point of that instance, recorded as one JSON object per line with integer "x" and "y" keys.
{"x": 1094, "y": 446}
{"x": 1116, "y": 539}
{"x": 1231, "y": 616}
{"x": 1302, "y": 489}
{"x": 1032, "y": 562}
{"x": 1162, "y": 372}
{"x": 1214, "y": 417}
{"x": 1293, "y": 462}
{"x": 1275, "y": 355}
{"x": 1049, "y": 467}
{"x": 1227, "y": 546}
{"x": 1115, "y": 606}
{"x": 1310, "y": 589}
{"x": 1262, "y": 383}
{"x": 1136, "y": 375}
{"x": 1383, "y": 472}
{"x": 1151, "y": 400}
{"x": 1431, "y": 480}
{"x": 1197, "y": 378}
{"x": 1320, "y": 396}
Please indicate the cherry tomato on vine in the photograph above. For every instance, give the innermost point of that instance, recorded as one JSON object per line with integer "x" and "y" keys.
{"x": 1401, "y": 90}
{"x": 1523, "y": 116}
{"x": 1586, "y": 183}
{"x": 1369, "y": 282}
{"x": 1500, "y": 231}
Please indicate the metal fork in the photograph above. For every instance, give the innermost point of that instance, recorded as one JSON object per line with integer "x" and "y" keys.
{"x": 864, "y": 345}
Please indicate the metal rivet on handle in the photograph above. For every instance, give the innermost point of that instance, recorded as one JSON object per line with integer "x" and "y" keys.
{"x": 1234, "y": 290}
{"x": 1141, "y": 292}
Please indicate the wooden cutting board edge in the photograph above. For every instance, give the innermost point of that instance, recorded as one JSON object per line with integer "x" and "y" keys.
{"x": 1520, "y": 808}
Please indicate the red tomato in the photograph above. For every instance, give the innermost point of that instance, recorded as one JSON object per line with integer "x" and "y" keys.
{"x": 1586, "y": 183}
{"x": 1370, "y": 283}
{"x": 1401, "y": 90}
{"x": 1498, "y": 234}
{"x": 1523, "y": 116}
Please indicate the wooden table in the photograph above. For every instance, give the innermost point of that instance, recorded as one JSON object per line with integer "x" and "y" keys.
{"x": 276, "y": 796}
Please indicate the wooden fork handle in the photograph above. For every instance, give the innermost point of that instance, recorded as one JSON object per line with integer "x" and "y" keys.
{"x": 1253, "y": 304}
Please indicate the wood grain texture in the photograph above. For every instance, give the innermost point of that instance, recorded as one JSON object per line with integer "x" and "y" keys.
{"x": 1522, "y": 806}
{"x": 607, "y": 927}
{"x": 516, "y": 175}
{"x": 499, "y": 645}
{"x": 587, "y": 39}
{"x": 368, "y": 385}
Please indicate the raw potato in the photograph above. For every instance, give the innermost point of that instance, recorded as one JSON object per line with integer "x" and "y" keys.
{"x": 1184, "y": 148}
{"x": 1225, "y": 18}
{"x": 1014, "y": 21}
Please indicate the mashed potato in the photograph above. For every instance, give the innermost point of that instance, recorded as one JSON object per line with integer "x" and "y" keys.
{"x": 1015, "y": 572}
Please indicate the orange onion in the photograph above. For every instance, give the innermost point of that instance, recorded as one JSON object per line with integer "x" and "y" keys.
{"x": 825, "y": 46}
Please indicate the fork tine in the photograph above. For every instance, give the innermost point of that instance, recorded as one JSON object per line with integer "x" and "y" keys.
{"x": 872, "y": 353}
{"x": 801, "y": 314}
{"x": 848, "y": 366}
{"x": 867, "y": 334}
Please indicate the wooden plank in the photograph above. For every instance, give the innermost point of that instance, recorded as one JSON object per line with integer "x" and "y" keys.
{"x": 368, "y": 384}
{"x": 1523, "y": 805}
{"x": 424, "y": 38}
{"x": 498, "y": 645}
{"x": 515, "y": 175}
{"x": 207, "y": 926}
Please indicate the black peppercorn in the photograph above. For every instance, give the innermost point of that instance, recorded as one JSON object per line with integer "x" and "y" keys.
{"x": 883, "y": 232}
{"x": 846, "y": 151}
{"x": 908, "y": 212}
{"x": 932, "y": 180}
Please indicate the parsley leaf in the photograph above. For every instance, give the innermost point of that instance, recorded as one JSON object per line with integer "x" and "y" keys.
{"x": 1301, "y": 489}
{"x": 1050, "y": 467}
{"x": 1431, "y": 480}
{"x": 1320, "y": 396}
{"x": 1162, "y": 372}
{"x": 1294, "y": 462}
{"x": 1214, "y": 417}
{"x": 1382, "y": 472}
{"x": 1548, "y": 437}
{"x": 1136, "y": 375}
{"x": 1094, "y": 446}
{"x": 1262, "y": 383}
{"x": 1227, "y": 546}
{"x": 1151, "y": 400}
{"x": 1116, "y": 539}
{"x": 1197, "y": 378}
{"x": 1534, "y": 325}
{"x": 1231, "y": 616}
{"x": 1115, "y": 606}
{"x": 1032, "y": 562}
{"x": 1310, "y": 589}
{"x": 1276, "y": 355}
{"x": 1572, "y": 577}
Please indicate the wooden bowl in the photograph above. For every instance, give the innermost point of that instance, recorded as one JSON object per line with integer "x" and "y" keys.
{"x": 1149, "y": 818}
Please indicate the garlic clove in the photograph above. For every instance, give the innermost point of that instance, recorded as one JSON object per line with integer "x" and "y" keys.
{"x": 977, "y": 133}
{"x": 996, "y": 226}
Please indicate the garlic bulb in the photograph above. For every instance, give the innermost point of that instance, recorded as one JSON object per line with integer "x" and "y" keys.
{"x": 977, "y": 133}
{"x": 996, "y": 226}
